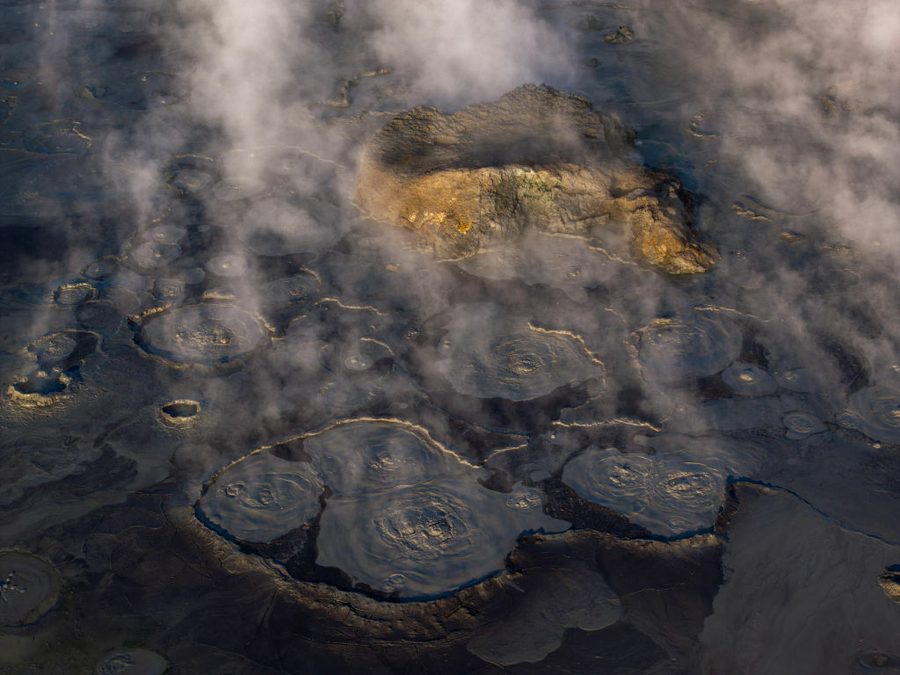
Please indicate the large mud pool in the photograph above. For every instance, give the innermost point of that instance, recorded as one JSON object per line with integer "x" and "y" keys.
{"x": 245, "y": 428}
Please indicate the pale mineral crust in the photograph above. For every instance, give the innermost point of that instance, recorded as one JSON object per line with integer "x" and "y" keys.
{"x": 535, "y": 158}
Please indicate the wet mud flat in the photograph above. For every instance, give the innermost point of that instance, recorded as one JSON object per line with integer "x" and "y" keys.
{"x": 249, "y": 426}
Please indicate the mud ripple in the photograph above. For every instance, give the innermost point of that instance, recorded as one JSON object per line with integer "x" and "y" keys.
{"x": 29, "y": 588}
{"x": 53, "y": 348}
{"x": 180, "y": 413}
{"x": 699, "y": 344}
{"x": 153, "y": 254}
{"x": 191, "y": 174}
{"x": 204, "y": 334}
{"x": 228, "y": 265}
{"x": 358, "y": 458}
{"x": 747, "y": 379}
{"x": 667, "y": 496}
{"x": 403, "y": 515}
{"x": 515, "y": 362}
{"x": 423, "y": 540}
{"x": 800, "y": 424}
{"x": 262, "y": 498}
{"x": 875, "y": 411}
{"x": 295, "y": 289}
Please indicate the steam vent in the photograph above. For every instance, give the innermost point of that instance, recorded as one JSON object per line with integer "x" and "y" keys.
{"x": 536, "y": 158}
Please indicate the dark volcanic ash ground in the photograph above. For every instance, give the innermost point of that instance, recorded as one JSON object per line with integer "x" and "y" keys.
{"x": 245, "y": 427}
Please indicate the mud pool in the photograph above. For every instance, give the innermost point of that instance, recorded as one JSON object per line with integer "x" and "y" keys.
{"x": 246, "y": 429}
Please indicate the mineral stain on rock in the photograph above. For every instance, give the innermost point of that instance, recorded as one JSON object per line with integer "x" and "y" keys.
{"x": 890, "y": 582}
{"x": 536, "y": 158}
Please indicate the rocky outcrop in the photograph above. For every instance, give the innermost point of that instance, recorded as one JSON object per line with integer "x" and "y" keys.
{"x": 535, "y": 158}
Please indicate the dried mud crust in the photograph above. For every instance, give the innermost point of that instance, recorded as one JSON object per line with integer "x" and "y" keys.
{"x": 535, "y": 158}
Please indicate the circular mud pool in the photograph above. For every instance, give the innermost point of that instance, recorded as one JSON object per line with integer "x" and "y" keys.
{"x": 403, "y": 516}
{"x": 191, "y": 174}
{"x": 871, "y": 659}
{"x": 700, "y": 344}
{"x": 875, "y": 411}
{"x": 295, "y": 289}
{"x": 799, "y": 424}
{"x": 262, "y": 498}
{"x": 667, "y": 496}
{"x": 151, "y": 254}
{"x": 204, "y": 334}
{"x": 42, "y": 383}
{"x": 230, "y": 266}
{"x": 29, "y": 588}
{"x": 180, "y": 413}
{"x": 519, "y": 367}
{"x": 747, "y": 379}
{"x": 510, "y": 360}
{"x": 427, "y": 539}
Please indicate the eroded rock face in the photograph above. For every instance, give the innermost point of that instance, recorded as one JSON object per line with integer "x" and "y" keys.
{"x": 535, "y": 158}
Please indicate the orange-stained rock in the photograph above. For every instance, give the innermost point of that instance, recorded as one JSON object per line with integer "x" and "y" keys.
{"x": 535, "y": 158}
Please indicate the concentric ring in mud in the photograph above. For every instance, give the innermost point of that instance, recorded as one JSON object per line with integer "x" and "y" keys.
{"x": 207, "y": 334}
{"x": 239, "y": 188}
{"x": 302, "y": 172}
{"x": 520, "y": 366}
{"x": 364, "y": 457}
{"x": 510, "y": 359}
{"x": 701, "y": 343}
{"x": 29, "y": 588}
{"x": 799, "y": 424}
{"x": 262, "y": 498}
{"x": 359, "y": 355}
{"x": 301, "y": 288}
{"x": 747, "y": 379}
{"x": 802, "y": 380}
{"x": 423, "y": 540}
{"x": 875, "y": 411}
{"x": 402, "y": 515}
{"x": 191, "y": 174}
{"x": 228, "y": 265}
{"x": 667, "y": 496}
{"x": 150, "y": 255}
